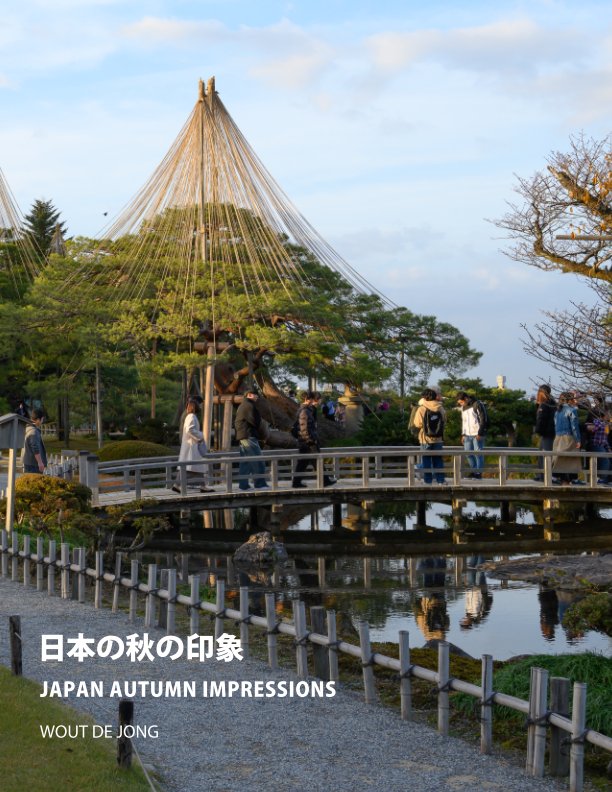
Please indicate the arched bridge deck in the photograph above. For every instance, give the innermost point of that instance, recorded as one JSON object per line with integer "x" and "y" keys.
{"x": 362, "y": 474}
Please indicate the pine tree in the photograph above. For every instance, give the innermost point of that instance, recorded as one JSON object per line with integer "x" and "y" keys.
{"x": 41, "y": 223}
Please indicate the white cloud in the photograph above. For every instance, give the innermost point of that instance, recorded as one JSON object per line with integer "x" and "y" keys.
{"x": 157, "y": 30}
{"x": 508, "y": 45}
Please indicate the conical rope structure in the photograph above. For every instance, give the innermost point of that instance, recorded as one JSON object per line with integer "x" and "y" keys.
{"x": 210, "y": 214}
{"x": 22, "y": 260}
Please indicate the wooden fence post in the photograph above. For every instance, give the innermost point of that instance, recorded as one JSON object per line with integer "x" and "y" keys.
{"x": 244, "y": 620}
{"x": 443, "y": 687}
{"x": 332, "y": 648}
{"x": 301, "y": 653}
{"x": 74, "y": 580}
{"x": 405, "y": 673}
{"x": 14, "y": 556}
{"x": 171, "y": 616}
{"x": 151, "y": 599}
{"x": 320, "y": 654}
{"x": 559, "y": 703}
{"x": 578, "y": 730}
{"x": 51, "y": 568}
{"x": 162, "y": 619}
{"x": 4, "y": 550}
{"x": 369, "y": 685}
{"x": 117, "y": 582}
{"x": 40, "y": 564}
{"x": 220, "y": 609}
{"x": 194, "y": 605}
{"x": 15, "y": 644}
{"x": 486, "y": 705}
{"x": 82, "y": 571}
{"x": 65, "y": 566}
{"x": 27, "y": 555}
{"x": 134, "y": 569}
{"x": 92, "y": 479}
{"x": 124, "y": 744}
{"x": 271, "y": 630}
{"x": 99, "y": 579}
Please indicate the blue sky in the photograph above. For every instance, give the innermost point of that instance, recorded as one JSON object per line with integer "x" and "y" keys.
{"x": 396, "y": 128}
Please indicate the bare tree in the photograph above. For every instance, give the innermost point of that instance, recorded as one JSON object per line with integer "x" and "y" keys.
{"x": 577, "y": 342}
{"x": 572, "y": 198}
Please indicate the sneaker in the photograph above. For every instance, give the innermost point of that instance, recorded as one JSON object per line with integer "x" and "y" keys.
{"x": 329, "y": 482}
{"x": 244, "y": 489}
{"x": 603, "y": 481}
{"x": 442, "y": 482}
{"x": 206, "y": 489}
{"x": 578, "y": 483}
{"x": 176, "y": 488}
{"x": 263, "y": 487}
{"x": 298, "y": 485}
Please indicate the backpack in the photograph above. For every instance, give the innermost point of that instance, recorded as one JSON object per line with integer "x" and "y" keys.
{"x": 295, "y": 429}
{"x": 433, "y": 423}
{"x": 482, "y": 415}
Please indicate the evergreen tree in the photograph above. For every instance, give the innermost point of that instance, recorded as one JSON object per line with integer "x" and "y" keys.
{"x": 40, "y": 224}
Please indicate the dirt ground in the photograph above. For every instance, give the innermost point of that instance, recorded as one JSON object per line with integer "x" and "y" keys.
{"x": 572, "y": 572}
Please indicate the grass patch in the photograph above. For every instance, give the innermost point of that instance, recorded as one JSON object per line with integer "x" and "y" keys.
{"x": 29, "y": 761}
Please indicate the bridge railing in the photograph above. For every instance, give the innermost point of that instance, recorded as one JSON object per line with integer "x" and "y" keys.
{"x": 366, "y": 467}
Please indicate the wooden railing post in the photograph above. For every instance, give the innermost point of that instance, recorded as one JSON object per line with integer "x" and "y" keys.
{"x": 486, "y": 705}
{"x": 99, "y": 579}
{"x": 317, "y": 625}
{"x": 15, "y": 644}
{"x": 65, "y": 575}
{"x": 410, "y": 471}
{"x": 51, "y": 567}
{"x": 559, "y": 703}
{"x": 134, "y": 569}
{"x": 443, "y": 687}
{"x": 301, "y": 651}
{"x": 457, "y": 459}
{"x": 194, "y": 604}
{"x": 503, "y": 469}
{"x": 365, "y": 471}
{"x": 4, "y": 549}
{"x": 27, "y": 555}
{"x": 137, "y": 483}
{"x": 547, "y": 471}
{"x": 92, "y": 479}
{"x": 578, "y": 730}
{"x": 14, "y": 556}
{"x": 151, "y": 598}
{"x": 369, "y": 685}
{"x": 244, "y": 620}
{"x": 40, "y": 564}
{"x": 220, "y": 609}
{"x": 405, "y": 673}
{"x": 271, "y": 630}
{"x": 82, "y": 570}
{"x": 332, "y": 648}
{"x": 171, "y": 617}
{"x": 117, "y": 582}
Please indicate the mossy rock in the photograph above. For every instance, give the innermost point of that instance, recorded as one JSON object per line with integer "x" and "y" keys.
{"x": 132, "y": 449}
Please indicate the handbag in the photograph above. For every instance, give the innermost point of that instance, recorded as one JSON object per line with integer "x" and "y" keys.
{"x": 202, "y": 448}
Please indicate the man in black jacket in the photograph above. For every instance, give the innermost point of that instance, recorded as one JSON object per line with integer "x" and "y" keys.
{"x": 247, "y": 424}
{"x": 308, "y": 438}
{"x": 545, "y": 422}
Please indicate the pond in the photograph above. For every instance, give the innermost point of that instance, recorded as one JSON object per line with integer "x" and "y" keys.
{"x": 434, "y": 594}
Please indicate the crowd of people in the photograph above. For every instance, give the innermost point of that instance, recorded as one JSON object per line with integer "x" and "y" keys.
{"x": 557, "y": 424}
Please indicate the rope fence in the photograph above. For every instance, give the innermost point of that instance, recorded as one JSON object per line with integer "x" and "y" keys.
{"x": 548, "y": 722}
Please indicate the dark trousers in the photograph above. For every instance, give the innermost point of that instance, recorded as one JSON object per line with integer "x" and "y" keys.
{"x": 302, "y": 465}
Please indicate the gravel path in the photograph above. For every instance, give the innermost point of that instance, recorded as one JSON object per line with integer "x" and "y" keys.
{"x": 257, "y": 745}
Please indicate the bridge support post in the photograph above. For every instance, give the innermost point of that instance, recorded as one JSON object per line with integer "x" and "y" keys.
{"x": 275, "y": 518}
{"x": 457, "y": 510}
{"x": 337, "y": 515}
{"x": 504, "y": 509}
{"x": 421, "y": 511}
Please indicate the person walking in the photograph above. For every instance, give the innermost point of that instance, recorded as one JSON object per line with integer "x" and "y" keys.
{"x": 597, "y": 426}
{"x": 193, "y": 448}
{"x": 545, "y": 423}
{"x": 34, "y": 451}
{"x": 430, "y": 420}
{"x": 567, "y": 438}
{"x": 247, "y": 424}
{"x": 474, "y": 426}
{"x": 308, "y": 438}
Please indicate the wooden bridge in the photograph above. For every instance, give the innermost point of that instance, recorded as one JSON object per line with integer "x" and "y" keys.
{"x": 362, "y": 475}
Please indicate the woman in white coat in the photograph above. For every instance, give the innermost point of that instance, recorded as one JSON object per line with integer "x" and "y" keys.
{"x": 193, "y": 448}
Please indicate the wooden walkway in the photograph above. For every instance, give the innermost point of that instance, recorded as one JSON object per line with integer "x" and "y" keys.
{"x": 361, "y": 474}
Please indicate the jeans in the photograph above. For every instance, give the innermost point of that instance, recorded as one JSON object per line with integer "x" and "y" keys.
{"x": 475, "y": 461}
{"x": 431, "y": 463}
{"x": 254, "y": 467}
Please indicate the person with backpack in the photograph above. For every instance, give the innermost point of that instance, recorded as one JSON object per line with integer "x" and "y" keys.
{"x": 430, "y": 420}
{"x": 306, "y": 432}
{"x": 474, "y": 426}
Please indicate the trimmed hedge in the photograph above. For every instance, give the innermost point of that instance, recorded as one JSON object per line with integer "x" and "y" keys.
{"x": 132, "y": 449}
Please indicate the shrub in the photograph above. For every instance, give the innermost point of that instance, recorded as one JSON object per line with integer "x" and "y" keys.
{"x": 46, "y": 501}
{"x": 594, "y": 612}
{"x": 153, "y": 430}
{"x": 132, "y": 449}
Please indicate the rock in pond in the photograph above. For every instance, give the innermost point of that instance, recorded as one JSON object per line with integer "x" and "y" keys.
{"x": 260, "y": 549}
